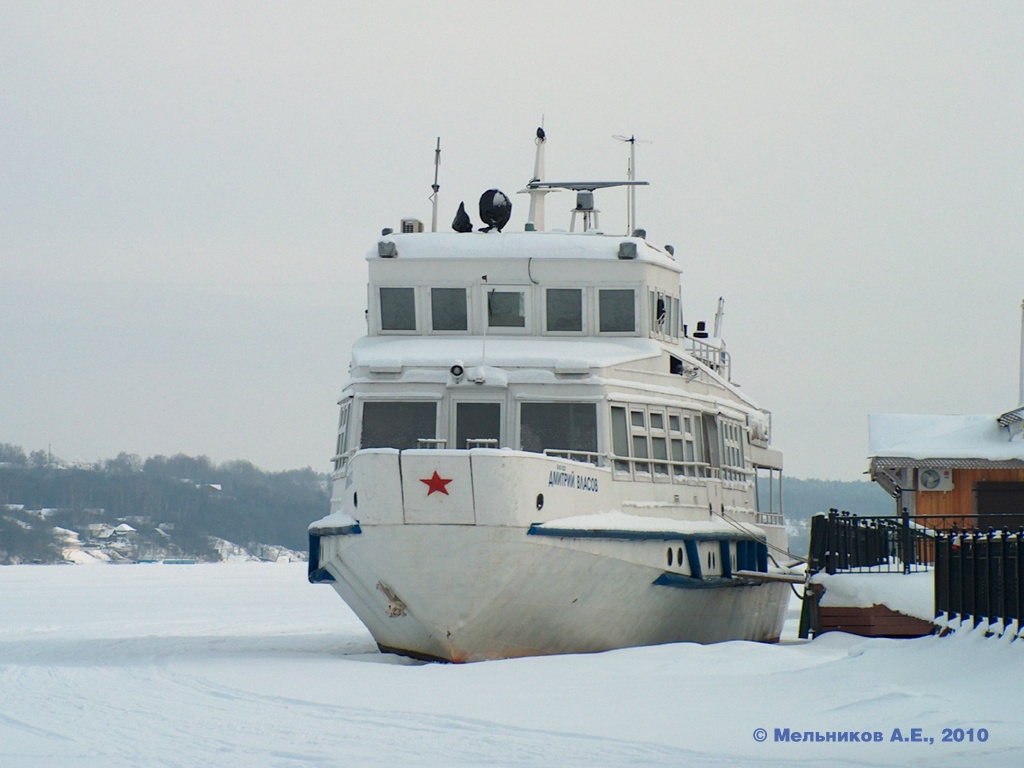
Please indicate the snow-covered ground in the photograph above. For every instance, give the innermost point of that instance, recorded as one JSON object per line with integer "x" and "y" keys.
{"x": 246, "y": 664}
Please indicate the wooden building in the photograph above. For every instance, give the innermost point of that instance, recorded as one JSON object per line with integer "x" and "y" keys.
{"x": 970, "y": 468}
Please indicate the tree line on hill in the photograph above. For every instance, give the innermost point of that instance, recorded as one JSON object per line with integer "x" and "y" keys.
{"x": 177, "y": 506}
{"x": 181, "y": 506}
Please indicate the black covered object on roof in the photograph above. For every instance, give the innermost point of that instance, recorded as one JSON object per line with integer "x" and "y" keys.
{"x": 495, "y": 209}
{"x": 462, "y": 222}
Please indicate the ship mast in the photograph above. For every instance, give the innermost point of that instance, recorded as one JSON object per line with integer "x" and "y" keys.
{"x": 435, "y": 186}
{"x": 535, "y": 219}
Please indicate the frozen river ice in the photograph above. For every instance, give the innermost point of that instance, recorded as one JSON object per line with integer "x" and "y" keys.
{"x": 249, "y": 665}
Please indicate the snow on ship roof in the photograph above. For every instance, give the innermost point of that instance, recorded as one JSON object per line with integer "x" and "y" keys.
{"x": 521, "y": 245}
{"x": 917, "y": 436}
{"x": 525, "y": 352}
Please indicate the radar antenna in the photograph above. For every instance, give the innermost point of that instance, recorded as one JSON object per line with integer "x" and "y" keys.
{"x": 584, "y": 190}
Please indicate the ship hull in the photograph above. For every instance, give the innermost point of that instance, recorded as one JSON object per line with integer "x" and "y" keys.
{"x": 469, "y": 593}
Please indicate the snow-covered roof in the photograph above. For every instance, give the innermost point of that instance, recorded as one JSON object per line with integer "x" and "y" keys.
{"x": 921, "y": 437}
{"x": 521, "y": 245}
{"x": 532, "y": 352}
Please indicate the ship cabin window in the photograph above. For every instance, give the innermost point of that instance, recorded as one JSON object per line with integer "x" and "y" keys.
{"x": 448, "y": 309}
{"x": 687, "y": 445}
{"x": 477, "y": 425}
{"x": 768, "y": 484}
{"x": 731, "y": 433}
{"x": 563, "y": 310}
{"x": 399, "y": 424}
{"x": 398, "y": 309}
{"x": 506, "y": 308}
{"x": 620, "y": 440}
{"x": 616, "y": 310}
{"x": 339, "y": 453}
{"x": 560, "y": 429}
{"x": 638, "y": 441}
{"x": 655, "y": 443}
{"x": 664, "y": 314}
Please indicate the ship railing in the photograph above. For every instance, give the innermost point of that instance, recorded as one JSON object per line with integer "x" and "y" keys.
{"x": 770, "y": 518}
{"x": 431, "y": 442}
{"x": 734, "y": 474}
{"x": 640, "y": 468}
{"x": 710, "y": 353}
{"x": 586, "y": 457}
{"x": 481, "y": 442}
{"x": 341, "y": 461}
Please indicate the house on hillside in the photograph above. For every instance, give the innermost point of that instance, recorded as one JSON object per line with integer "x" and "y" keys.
{"x": 969, "y": 468}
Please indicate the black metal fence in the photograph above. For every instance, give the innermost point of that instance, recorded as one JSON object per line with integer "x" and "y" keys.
{"x": 887, "y": 544}
{"x": 979, "y": 576}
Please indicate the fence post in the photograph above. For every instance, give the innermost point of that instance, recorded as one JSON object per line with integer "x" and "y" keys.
{"x": 1018, "y": 569}
{"x": 940, "y": 576}
{"x": 905, "y": 541}
{"x": 830, "y": 542}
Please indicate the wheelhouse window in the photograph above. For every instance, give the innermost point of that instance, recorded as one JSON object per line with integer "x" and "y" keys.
{"x": 399, "y": 424}
{"x": 339, "y": 453}
{"x": 564, "y": 310}
{"x": 448, "y": 309}
{"x": 506, "y": 309}
{"x": 477, "y": 425}
{"x": 664, "y": 314}
{"x": 617, "y": 311}
{"x": 398, "y": 309}
{"x": 558, "y": 427}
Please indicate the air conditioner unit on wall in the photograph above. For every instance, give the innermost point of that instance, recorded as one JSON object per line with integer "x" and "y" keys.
{"x": 935, "y": 480}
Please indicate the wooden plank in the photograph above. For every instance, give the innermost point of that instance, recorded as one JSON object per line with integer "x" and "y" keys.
{"x": 876, "y": 621}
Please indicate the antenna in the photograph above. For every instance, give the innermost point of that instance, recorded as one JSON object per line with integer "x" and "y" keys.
{"x": 718, "y": 317}
{"x": 630, "y": 191}
{"x": 535, "y": 219}
{"x": 435, "y": 186}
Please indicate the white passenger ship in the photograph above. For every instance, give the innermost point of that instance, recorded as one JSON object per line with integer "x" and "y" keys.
{"x": 534, "y": 456}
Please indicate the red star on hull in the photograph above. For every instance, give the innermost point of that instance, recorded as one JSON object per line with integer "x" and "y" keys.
{"x": 436, "y": 484}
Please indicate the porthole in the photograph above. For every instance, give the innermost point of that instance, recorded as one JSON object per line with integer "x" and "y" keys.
{"x": 540, "y": 501}
{"x": 679, "y": 556}
{"x": 355, "y": 499}
{"x": 670, "y": 557}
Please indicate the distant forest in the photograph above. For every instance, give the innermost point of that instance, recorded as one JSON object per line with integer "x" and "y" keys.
{"x": 175, "y": 504}
{"x": 801, "y": 499}
{"x": 183, "y": 506}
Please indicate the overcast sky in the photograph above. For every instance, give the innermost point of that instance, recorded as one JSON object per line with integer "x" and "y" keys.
{"x": 187, "y": 192}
